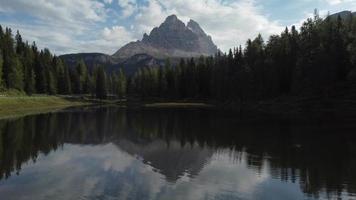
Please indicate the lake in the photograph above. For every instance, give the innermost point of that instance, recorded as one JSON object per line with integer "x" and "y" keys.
{"x": 112, "y": 153}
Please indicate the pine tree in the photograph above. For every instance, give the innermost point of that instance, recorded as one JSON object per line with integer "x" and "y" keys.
{"x": 8, "y": 55}
{"x": 75, "y": 82}
{"x": 52, "y": 82}
{"x": 15, "y": 76}
{"x": 63, "y": 83}
{"x": 82, "y": 72}
{"x": 20, "y": 45}
{"x": 67, "y": 86}
{"x": 1, "y": 73}
{"x": 41, "y": 79}
{"x": 28, "y": 69}
{"x": 101, "y": 85}
{"x": 30, "y": 82}
{"x": 122, "y": 84}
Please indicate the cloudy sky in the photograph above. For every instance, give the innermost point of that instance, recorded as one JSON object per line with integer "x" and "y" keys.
{"x": 67, "y": 26}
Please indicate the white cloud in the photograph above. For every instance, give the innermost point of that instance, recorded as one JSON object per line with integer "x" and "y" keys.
{"x": 117, "y": 34}
{"x": 128, "y": 7}
{"x": 336, "y": 2}
{"x": 75, "y": 14}
{"x": 108, "y": 1}
{"x": 229, "y": 24}
{"x": 346, "y": 4}
{"x": 68, "y": 26}
{"x": 58, "y": 25}
{"x": 149, "y": 16}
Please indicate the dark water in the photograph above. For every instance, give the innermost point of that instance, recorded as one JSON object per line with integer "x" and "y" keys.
{"x": 108, "y": 153}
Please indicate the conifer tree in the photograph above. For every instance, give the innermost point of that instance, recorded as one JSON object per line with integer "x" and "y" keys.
{"x": 122, "y": 84}
{"x": 8, "y": 55}
{"x": 1, "y": 73}
{"x": 52, "y": 83}
{"x": 30, "y": 82}
{"x": 82, "y": 73}
{"x": 15, "y": 76}
{"x": 101, "y": 85}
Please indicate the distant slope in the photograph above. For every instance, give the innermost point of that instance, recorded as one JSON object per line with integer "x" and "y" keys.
{"x": 90, "y": 59}
{"x": 130, "y": 65}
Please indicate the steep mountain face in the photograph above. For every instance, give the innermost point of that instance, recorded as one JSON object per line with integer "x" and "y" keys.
{"x": 171, "y": 39}
{"x": 344, "y": 15}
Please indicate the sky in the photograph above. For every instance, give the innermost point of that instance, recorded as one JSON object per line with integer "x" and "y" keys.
{"x": 83, "y": 26}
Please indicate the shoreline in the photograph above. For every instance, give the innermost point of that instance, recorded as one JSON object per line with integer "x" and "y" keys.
{"x": 18, "y": 106}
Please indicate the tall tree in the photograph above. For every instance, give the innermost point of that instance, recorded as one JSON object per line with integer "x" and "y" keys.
{"x": 101, "y": 87}
{"x": 8, "y": 55}
{"x": 15, "y": 76}
{"x": 1, "y": 72}
{"x": 122, "y": 84}
{"x": 83, "y": 75}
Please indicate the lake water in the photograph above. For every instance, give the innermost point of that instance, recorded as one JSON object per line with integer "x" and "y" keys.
{"x": 110, "y": 153}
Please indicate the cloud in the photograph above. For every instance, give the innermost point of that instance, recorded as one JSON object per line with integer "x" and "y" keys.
{"x": 346, "y": 4}
{"x": 68, "y": 26}
{"x": 76, "y": 14}
{"x": 229, "y": 24}
{"x": 108, "y": 1}
{"x": 128, "y": 7}
{"x": 336, "y": 2}
{"x": 58, "y": 25}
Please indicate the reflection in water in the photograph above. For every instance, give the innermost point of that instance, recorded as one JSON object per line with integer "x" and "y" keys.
{"x": 104, "y": 153}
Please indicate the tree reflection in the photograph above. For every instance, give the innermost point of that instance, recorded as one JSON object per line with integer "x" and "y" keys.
{"x": 319, "y": 156}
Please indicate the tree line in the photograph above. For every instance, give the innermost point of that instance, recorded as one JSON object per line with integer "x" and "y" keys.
{"x": 24, "y": 67}
{"x": 314, "y": 60}
{"x": 311, "y": 61}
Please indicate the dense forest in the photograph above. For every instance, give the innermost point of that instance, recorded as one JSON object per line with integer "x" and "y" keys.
{"x": 314, "y": 60}
{"x": 24, "y": 67}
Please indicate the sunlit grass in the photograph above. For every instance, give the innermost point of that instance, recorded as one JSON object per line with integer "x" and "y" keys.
{"x": 21, "y": 105}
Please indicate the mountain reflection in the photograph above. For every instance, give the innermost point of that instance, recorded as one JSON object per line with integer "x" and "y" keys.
{"x": 319, "y": 156}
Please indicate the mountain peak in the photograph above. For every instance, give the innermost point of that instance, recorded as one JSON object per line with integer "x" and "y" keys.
{"x": 172, "y": 39}
{"x": 172, "y": 18}
{"x": 195, "y": 27}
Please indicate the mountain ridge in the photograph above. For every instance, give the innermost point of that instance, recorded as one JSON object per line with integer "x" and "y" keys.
{"x": 171, "y": 39}
{"x": 148, "y": 56}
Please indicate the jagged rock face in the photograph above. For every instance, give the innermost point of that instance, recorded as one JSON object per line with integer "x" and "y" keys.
{"x": 171, "y": 39}
{"x": 344, "y": 15}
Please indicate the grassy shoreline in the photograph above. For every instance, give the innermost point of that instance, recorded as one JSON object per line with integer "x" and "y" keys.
{"x": 16, "y": 106}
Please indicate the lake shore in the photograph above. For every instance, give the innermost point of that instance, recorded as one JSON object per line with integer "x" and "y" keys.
{"x": 16, "y": 106}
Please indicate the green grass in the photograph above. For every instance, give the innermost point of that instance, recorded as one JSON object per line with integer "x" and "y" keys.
{"x": 18, "y": 105}
{"x": 178, "y": 105}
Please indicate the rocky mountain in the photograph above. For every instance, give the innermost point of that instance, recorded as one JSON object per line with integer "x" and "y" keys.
{"x": 344, "y": 15}
{"x": 172, "y": 39}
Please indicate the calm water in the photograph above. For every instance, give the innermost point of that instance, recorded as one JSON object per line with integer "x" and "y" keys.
{"x": 108, "y": 153}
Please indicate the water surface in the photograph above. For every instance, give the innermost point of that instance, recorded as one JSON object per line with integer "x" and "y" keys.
{"x": 110, "y": 153}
